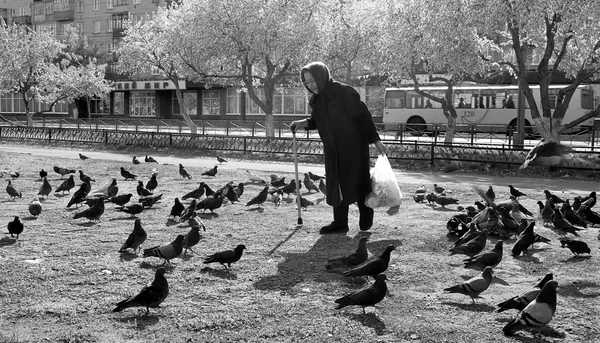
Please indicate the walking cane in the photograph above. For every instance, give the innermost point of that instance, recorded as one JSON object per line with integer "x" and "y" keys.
{"x": 298, "y": 196}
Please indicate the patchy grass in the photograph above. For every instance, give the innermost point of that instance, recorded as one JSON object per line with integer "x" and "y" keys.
{"x": 60, "y": 281}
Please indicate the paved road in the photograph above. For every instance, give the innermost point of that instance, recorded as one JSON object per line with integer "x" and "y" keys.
{"x": 414, "y": 178}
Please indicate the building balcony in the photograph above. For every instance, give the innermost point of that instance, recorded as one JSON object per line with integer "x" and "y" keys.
{"x": 118, "y": 33}
{"x": 22, "y": 19}
{"x": 64, "y": 15}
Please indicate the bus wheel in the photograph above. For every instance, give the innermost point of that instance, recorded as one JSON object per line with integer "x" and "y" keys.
{"x": 416, "y": 126}
{"x": 512, "y": 126}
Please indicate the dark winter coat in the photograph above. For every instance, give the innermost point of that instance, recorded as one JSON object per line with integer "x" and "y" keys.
{"x": 346, "y": 128}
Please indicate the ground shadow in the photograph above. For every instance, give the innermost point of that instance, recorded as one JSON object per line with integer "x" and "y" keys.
{"x": 6, "y": 241}
{"x": 257, "y": 209}
{"x": 220, "y": 273}
{"x": 443, "y": 209}
{"x": 141, "y": 321}
{"x": 476, "y": 307}
{"x": 210, "y": 215}
{"x": 528, "y": 258}
{"x": 127, "y": 255}
{"x": 369, "y": 320}
{"x": 300, "y": 267}
{"x": 576, "y": 259}
{"x": 171, "y": 222}
{"x": 574, "y": 289}
{"x": 29, "y": 218}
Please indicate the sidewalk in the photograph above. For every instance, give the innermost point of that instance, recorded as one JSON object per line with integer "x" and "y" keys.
{"x": 416, "y": 179}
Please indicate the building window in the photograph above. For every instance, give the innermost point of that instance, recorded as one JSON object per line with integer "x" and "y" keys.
{"x": 118, "y": 103}
{"x": 211, "y": 102}
{"x": 13, "y": 103}
{"x": 251, "y": 106}
{"x": 80, "y": 6}
{"x": 109, "y": 26}
{"x": 121, "y": 2}
{"x": 290, "y": 101}
{"x": 190, "y": 103}
{"x": 136, "y": 2}
{"x": 233, "y": 101}
{"x": 97, "y": 26}
{"x": 99, "y": 105}
{"x": 96, "y": 5}
{"x": 142, "y": 104}
{"x": 109, "y": 4}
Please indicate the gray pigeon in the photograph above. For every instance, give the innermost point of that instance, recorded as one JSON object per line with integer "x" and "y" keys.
{"x": 537, "y": 313}
{"x": 168, "y": 252}
{"x": 474, "y": 286}
{"x": 135, "y": 238}
{"x": 520, "y": 301}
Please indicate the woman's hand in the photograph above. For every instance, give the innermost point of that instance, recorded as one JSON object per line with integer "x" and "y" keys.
{"x": 381, "y": 148}
{"x": 298, "y": 124}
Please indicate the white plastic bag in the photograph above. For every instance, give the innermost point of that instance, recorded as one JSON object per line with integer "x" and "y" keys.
{"x": 385, "y": 190}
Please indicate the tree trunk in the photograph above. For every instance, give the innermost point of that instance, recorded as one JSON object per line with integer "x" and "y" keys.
{"x": 183, "y": 109}
{"x": 550, "y": 129}
{"x": 270, "y": 124}
{"x": 450, "y": 130}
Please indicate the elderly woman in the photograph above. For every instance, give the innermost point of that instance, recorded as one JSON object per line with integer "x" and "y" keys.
{"x": 346, "y": 128}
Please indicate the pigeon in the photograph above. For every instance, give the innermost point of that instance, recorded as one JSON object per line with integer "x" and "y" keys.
{"x": 290, "y": 187}
{"x": 239, "y": 189}
{"x": 230, "y": 194}
{"x": 591, "y": 216}
{"x": 572, "y": 216}
{"x": 83, "y": 157}
{"x": 486, "y": 259}
{"x": 560, "y": 223}
{"x": 537, "y": 313}
{"x": 191, "y": 238}
{"x": 150, "y": 296}
{"x": 150, "y": 200}
{"x": 260, "y": 198}
{"x": 520, "y": 301}
{"x": 63, "y": 171}
{"x": 141, "y": 190}
{"x": 35, "y": 207}
{"x": 576, "y": 247}
{"x": 517, "y": 214}
{"x": 474, "y": 286}
{"x": 525, "y": 240}
{"x": 255, "y": 178}
{"x": 309, "y": 184}
{"x": 133, "y": 209}
{"x": 369, "y": 295}
{"x": 121, "y": 200}
{"x": 444, "y": 200}
{"x": 211, "y": 172}
{"x": 472, "y": 247}
{"x": 515, "y": 192}
{"x": 507, "y": 220}
{"x": 555, "y": 199}
{"x": 136, "y": 238}
{"x": 322, "y": 187}
{"x": 208, "y": 191}
{"x": 350, "y": 260}
{"x": 12, "y": 190}
{"x": 80, "y": 194}
{"x": 152, "y": 183}
{"x": 135, "y": 160}
{"x": 196, "y": 193}
{"x": 226, "y": 257}
{"x": 374, "y": 266}
{"x": 194, "y": 220}
{"x": 304, "y": 203}
{"x": 183, "y": 172}
{"x": 221, "y": 160}
{"x": 439, "y": 189}
{"x": 84, "y": 177}
{"x": 187, "y": 212}
{"x": 547, "y": 212}
{"x": 590, "y": 200}
{"x": 15, "y": 227}
{"x": 421, "y": 190}
{"x": 107, "y": 190}
{"x": 92, "y": 213}
{"x": 490, "y": 194}
{"x": 150, "y": 159}
{"x": 315, "y": 177}
{"x": 43, "y": 173}
{"x": 280, "y": 182}
{"x": 127, "y": 174}
{"x": 167, "y": 252}
{"x": 45, "y": 188}
{"x": 67, "y": 185}
{"x": 11, "y": 173}
{"x": 418, "y": 197}
{"x": 277, "y": 197}
{"x": 211, "y": 203}
{"x": 472, "y": 232}
{"x": 177, "y": 209}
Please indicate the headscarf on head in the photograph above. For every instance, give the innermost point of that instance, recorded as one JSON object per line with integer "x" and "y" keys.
{"x": 320, "y": 73}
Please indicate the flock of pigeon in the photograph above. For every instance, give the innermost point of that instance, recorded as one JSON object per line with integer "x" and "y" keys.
{"x": 508, "y": 219}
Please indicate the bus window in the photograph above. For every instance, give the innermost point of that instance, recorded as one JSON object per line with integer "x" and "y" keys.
{"x": 414, "y": 100}
{"x": 466, "y": 99}
{"x": 511, "y": 99}
{"x": 587, "y": 98}
{"x": 395, "y": 99}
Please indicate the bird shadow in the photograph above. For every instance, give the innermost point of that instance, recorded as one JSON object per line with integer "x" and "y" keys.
{"x": 575, "y": 289}
{"x": 141, "y": 321}
{"x": 6, "y": 241}
{"x": 370, "y": 320}
{"x": 576, "y": 259}
{"x": 476, "y": 307}
{"x": 499, "y": 281}
{"x": 123, "y": 218}
{"x": 127, "y": 256}
{"x": 257, "y": 209}
{"x": 172, "y": 222}
{"x": 147, "y": 265}
{"x": 527, "y": 258}
{"x": 29, "y": 218}
{"x": 88, "y": 224}
{"x": 393, "y": 210}
{"x": 443, "y": 209}
{"x": 208, "y": 215}
{"x": 59, "y": 195}
{"x": 220, "y": 273}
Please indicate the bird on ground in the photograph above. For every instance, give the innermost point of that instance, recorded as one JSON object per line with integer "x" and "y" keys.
{"x": 152, "y": 183}
{"x": 211, "y": 172}
{"x": 507, "y": 220}
{"x": 187, "y": 212}
{"x": 67, "y": 185}
{"x": 150, "y": 296}
{"x": 43, "y": 173}
{"x": 572, "y": 216}
{"x": 12, "y": 190}
{"x": 421, "y": 190}
{"x": 374, "y": 266}
{"x": 472, "y": 247}
{"x": 322, "y": 187}
{"x": 589, "y": 215}
{"x": 517, "y": 214}
{"x": 369, "y": 295}
{"x": 438, "y": 189}
{"x": 589, "y": 200}
{"x": 221, "y": 160}
{"x": 84, "y": 177}
{"x": 490, "y": 194}
{"x": 226, "y": 257}
{"x": 315, "y": 177}
{"x": 11, "y": 173}
{"x": 211, "y": 203}
{"x": 150, "y": 200}
{"x": 107, "y": 190}
{"x": 418, "y": 197}
{"x": 15, "y": 227}
{"x": 255, "y": 178}
{"x": 576, "y": 247}
{"x": 309, "y": 184}
{"x": 525, "y": 240}
{"x": 474, "y": 286}
{"x": 230, "y": 194}
{"x": 80, "y": 194}
{"x": 239, "y": 189}
{"x": 35, "y": 207}
{"x": 208, "y": 191}
{"x": 430, "y": 198}
{"x": 167, "y": 252}
{"x": 276, "y": 197}
{"x": 560, "y": 223}
{"x": 304, "y": 203}
{"x": 121, "y": 200}
{"x": 45, "y": 188}
{"x": 537, "y": 313}
{"x": 547, "y": 211}
{"x": 150, "y": 159}
{"x": 520, "y": 301}
{"x": 133, "y": 209}
{"x": 135, "y": 160}
{"x": 194, "y": 220}
{"x": 260, "y": 198}
{"x": 136, "y": 238}
{"x": 515, "y": 192}
{"x": 555, "y": 199}
{"x": 353, "y": 259}
{"x": 83, "y": 157}
{"x": 183, "y": 172}
{"x": 290, "y": 187}
{"x": 472, "y": 232}
{"x": 63, "y": 171}
{"x": 280, "y": 182}
{"x": 486, "y": 259}
{"x": 196, "y": 193}
{"x": 92, "y": 213}
{"x": 576, "y": 203}
{"x": 141, "y": 190}
{"x": 191, "y": 238}
{"x": 444, "y": 200}
{"x": 127, "y": 174}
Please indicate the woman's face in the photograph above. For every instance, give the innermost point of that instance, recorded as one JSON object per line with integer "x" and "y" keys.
{"x": 309, "y": 82}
